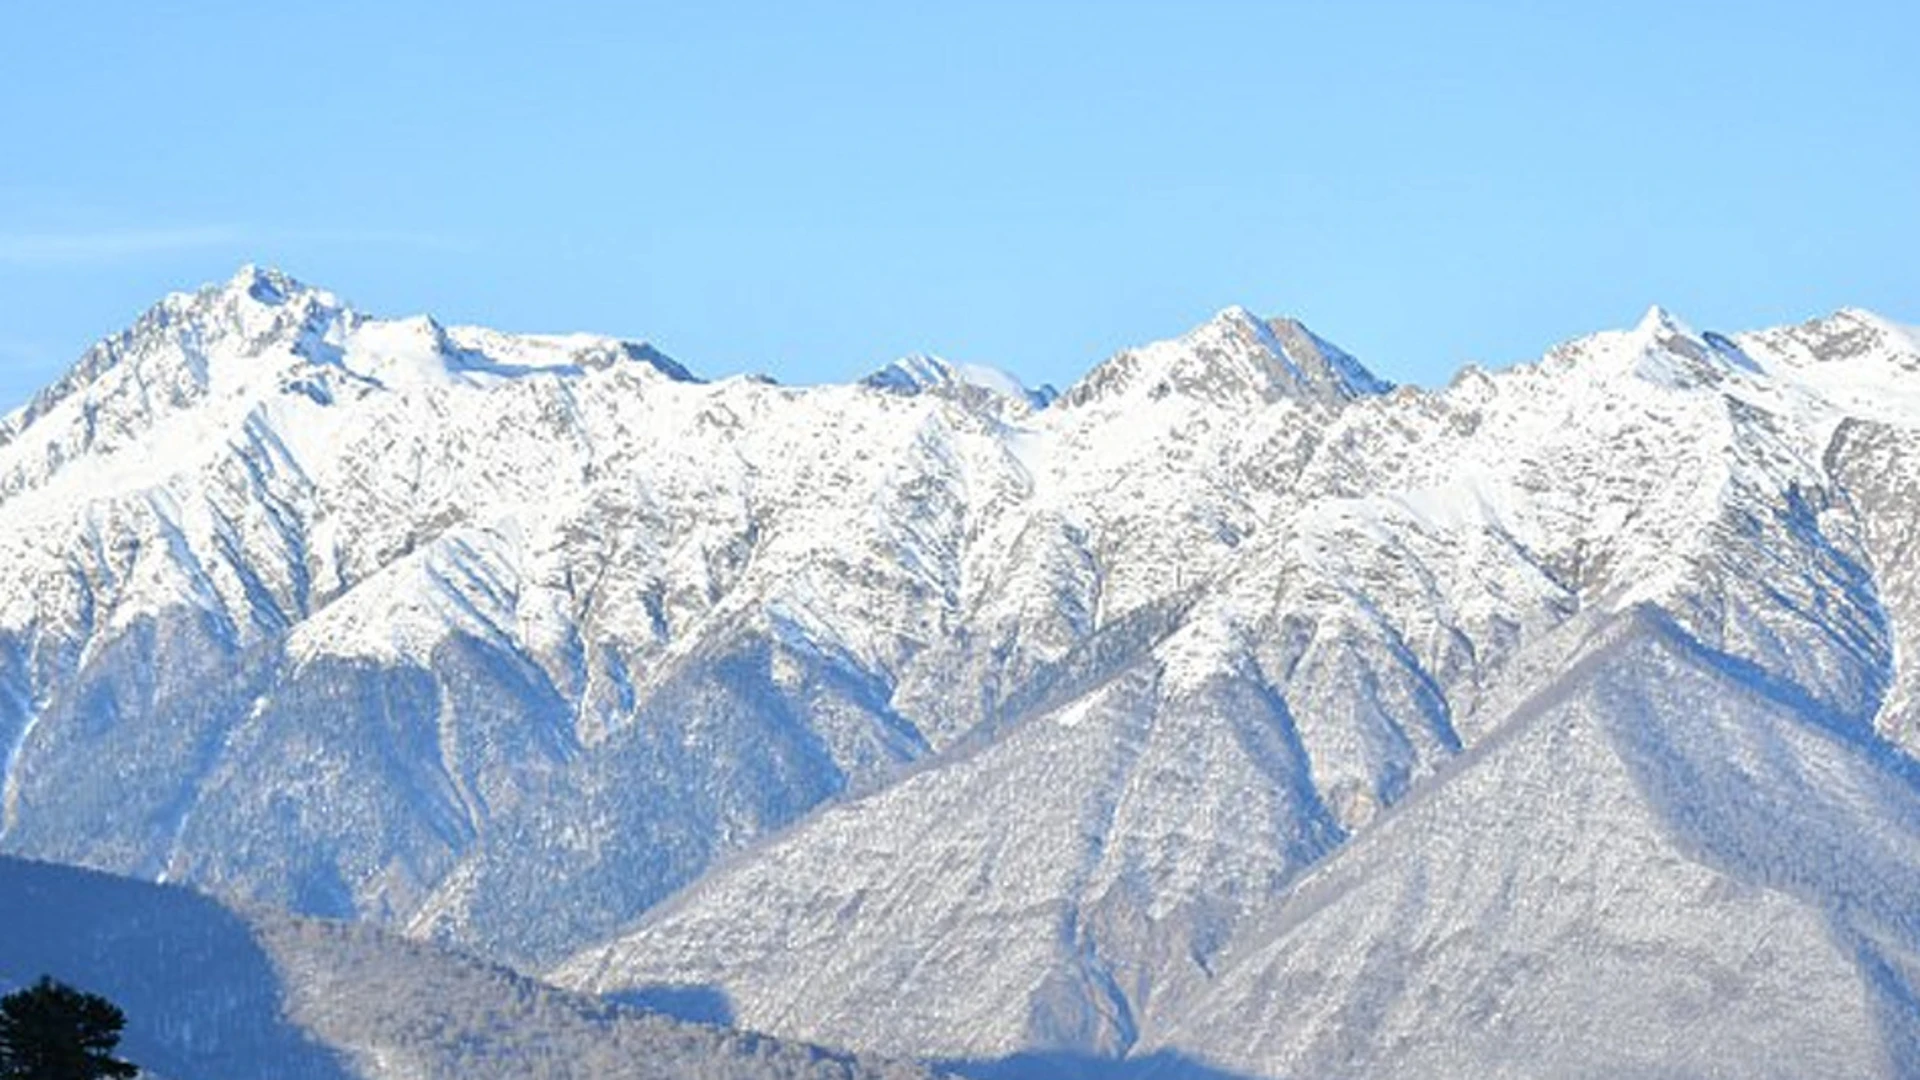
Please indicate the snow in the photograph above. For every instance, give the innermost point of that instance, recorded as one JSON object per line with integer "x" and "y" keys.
{"x": 953, "y": 719}
{"x": 921, "y": 373}
{"x": 1561, "y": 905}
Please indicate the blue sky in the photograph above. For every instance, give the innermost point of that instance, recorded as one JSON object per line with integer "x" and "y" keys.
{"x": 812, "y": 189}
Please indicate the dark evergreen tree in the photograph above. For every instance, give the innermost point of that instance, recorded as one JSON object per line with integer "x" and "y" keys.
{"x": 50, "y": 1031}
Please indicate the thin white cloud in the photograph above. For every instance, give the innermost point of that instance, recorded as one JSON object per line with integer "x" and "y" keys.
{"x": 119, "y": 245}
{"x": 111, "y": 245}
{"x": 379, "y": 238}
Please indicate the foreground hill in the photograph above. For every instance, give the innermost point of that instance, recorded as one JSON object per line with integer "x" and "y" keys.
{"x": 213, "y": 993}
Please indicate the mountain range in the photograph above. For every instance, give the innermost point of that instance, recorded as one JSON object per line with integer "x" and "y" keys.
{"x": 1231, "y": 713}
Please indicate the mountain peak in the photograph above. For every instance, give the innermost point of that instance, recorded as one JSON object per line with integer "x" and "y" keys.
{"x": 1672, "y": 350}
{"x": 1659, "y": 322}
{"x": 1318, "y": 367}
{"x": 1661, "y": 348}
{"x": 918, "y": 373}
{"x": 165, "y": 354}
{"x": 269, "y": 286}
{"x": 1234, "y": 355}
{"x": 265, "y": 284}
{"x": 1234, "y": 315}
{"x": 1325, "y": 362}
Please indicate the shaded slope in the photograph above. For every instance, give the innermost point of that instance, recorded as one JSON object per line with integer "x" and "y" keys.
{"x": 203, "y": 996}
{"x": 1027, "y": 895}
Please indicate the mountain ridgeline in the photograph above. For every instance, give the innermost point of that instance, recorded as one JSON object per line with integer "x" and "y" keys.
{"x": 1232, "y": 713}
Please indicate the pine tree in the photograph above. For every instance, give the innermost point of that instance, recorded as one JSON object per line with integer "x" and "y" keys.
{"x": 53, "y": 1032}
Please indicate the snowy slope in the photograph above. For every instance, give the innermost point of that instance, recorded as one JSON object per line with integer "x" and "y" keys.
{"x": 1657, "y": 867}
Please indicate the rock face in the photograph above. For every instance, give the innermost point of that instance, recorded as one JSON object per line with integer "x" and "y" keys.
{"x": 965, "y": 721}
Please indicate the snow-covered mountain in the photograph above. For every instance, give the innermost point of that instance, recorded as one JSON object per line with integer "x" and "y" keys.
{"x": 964, "y": 721}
